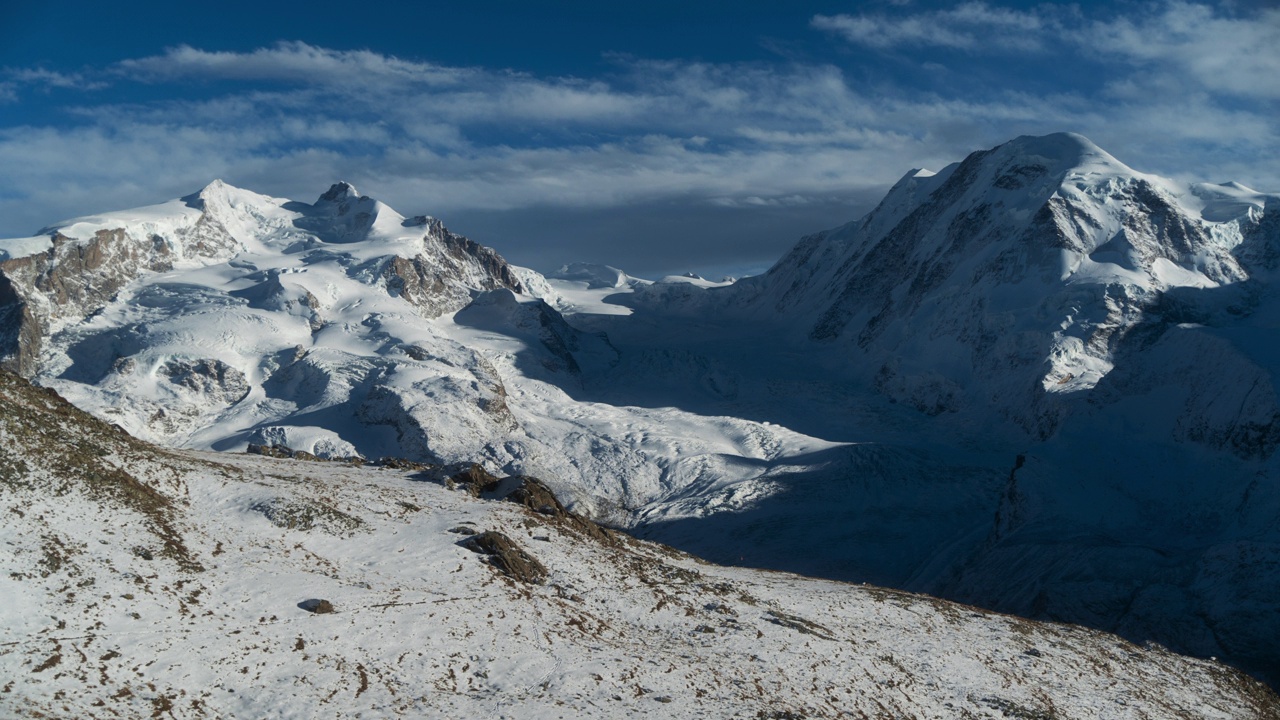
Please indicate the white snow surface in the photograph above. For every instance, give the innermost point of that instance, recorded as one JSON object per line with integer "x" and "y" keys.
{"x": 187, "y": 600}
{"x": 293, "y": 336}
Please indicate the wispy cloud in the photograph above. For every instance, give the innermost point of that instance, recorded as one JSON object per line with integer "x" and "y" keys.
{"x": 291, "y": 62}
{"x": 290, "y": 118}
{"x": 973, "y": 26}
{"x": 44, "y": 79}
{"x": 1212, "y": 46}
{"x": 1197, "y": 43}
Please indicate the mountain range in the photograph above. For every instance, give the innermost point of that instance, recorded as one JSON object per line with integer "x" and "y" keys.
{"x": 1037, "y": 380}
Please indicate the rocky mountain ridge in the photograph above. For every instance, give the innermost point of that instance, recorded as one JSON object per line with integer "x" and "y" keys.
{"x": 86, "y": 262}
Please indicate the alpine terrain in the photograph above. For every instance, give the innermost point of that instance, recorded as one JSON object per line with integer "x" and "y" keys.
{"x": 147, "y": 582}
{"x": 1036, "y": 381}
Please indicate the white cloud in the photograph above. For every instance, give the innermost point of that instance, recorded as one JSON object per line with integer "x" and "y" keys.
{"x": 289, "y": 119}
{"x": 45, "y": 79}
{"x": 1211, "y": 46}
{"x": 1226, "y": 54}
{"x": 291, "y": 62}
{"x": 973, "y": 26}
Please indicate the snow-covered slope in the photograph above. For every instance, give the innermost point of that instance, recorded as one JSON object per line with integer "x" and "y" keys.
{"x": 1038, "y": 379}
{"x": 342, "y": 328}
{"x": 1011, "y": 280}
{"x": 143, "y": 582}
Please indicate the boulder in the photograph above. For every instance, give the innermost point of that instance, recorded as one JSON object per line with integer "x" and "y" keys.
{"x": 504, "y": 554}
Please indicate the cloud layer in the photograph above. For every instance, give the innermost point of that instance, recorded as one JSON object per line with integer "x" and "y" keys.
{"x": 1177, "y": 88}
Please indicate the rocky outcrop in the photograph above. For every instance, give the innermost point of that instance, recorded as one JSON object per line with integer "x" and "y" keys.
{"x": 317, "y": 606}
{"x": 507, "y": 557}
{"x": 70, "y": 280}
{"x": 474, "y": 480}
{"x": 214, "y": 380}
{"x": 529, "y": 492}
{"x": 442, "y": 279}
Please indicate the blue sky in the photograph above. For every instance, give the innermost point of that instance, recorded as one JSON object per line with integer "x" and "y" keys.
{"x": 658, "y": 137}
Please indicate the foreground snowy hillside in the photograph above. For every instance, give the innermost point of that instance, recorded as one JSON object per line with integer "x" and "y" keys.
{"x": 148, "y": 582}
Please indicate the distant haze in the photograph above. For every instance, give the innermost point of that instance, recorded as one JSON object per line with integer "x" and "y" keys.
{"x": 653, "y": 240}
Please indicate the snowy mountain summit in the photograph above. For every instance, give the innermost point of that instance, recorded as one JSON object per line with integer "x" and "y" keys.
{"x": 168, "y": 316}
{"x": 1017, "y": 277}
{"x": 75, "y": 269}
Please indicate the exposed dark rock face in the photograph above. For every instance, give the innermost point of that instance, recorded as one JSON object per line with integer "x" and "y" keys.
{"x": 399, "y": 463}
{"x": 1261, "y": 252}
{"x": 474, "y": 480}
{"x": 508, "y": 557}
{"x": 530, "y": 492}
{"x": 71, "y": 280}
{"x": 213, "y": 379}
{"x": 535, "y": 495}
{"x": 76, "y": 277}
{"x": 441, "y": 280}
{"x": 280, "y": 451}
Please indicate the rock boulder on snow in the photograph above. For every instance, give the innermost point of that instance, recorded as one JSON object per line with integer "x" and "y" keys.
{"x": 509, "y": 558}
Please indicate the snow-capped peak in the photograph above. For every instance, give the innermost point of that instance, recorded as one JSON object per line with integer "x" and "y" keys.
{"x": 216, "y": 186}
{"x": 1062, "y": 152}
{"x": 1051, "y": 223}
{"x": 219, "y": 197}
{"x": 339, "y": 192}
{"x": 235, "y": 237}
{"x": 594, "y": 275}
